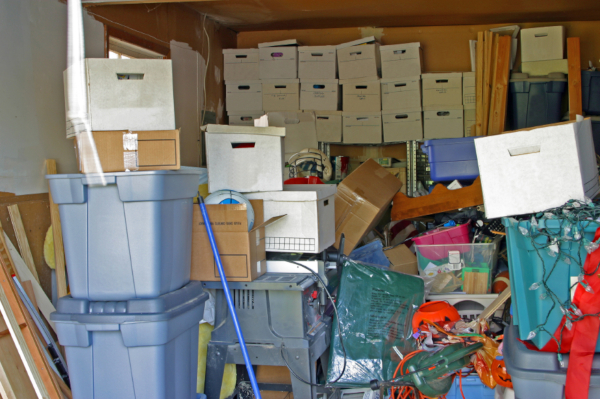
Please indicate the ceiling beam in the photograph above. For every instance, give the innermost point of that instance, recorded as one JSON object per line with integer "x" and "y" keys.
{"x": 119, "y": 2}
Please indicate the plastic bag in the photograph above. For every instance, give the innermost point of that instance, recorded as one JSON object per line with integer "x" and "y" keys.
{"x": 483, "y": 359}
{"x": 375, "y": 308}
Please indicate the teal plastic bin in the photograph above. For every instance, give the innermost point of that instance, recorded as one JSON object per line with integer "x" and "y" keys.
{"x": 526, "y": 267}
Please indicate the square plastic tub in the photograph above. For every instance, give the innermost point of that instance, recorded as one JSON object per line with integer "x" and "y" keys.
{"x": 539, "y": 374}
{"x": 137, "y": 349}
{"x": 590, "y": 91}
{"x": 442, "y": 235}
{"x": 129, "y": 239}
{"x": 452, "y": 159}
{"x": 472, "y": 387}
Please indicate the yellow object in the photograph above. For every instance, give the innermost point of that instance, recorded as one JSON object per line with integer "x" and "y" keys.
{"x": 49, "y": 249}
{"x": 229, "y": 376}
{"x": 203, "y": 190}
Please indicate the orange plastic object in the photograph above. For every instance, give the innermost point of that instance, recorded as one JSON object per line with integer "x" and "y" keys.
{"x": 437, "y": 312}
{"x": 500, "y": 374}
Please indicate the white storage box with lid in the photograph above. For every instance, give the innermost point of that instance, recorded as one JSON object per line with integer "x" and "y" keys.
{"x": 320, "y": 94}
{"x": 137, "y": 349}
{"x": 541, "y": 44}
{"x": 401, "y": 60}
{"x": 535, "y": 169}
{"x": 130, "y": 238}
{"x": 300, "y": 130}
{"x": 278, "y": 60}
{"x": 329, "y": 126}
{"x": 240, "y": 118}
{"x": 310, "y": 222}
{"x": 244, "y": 158}
{"x": 243, "y": 96}
{"x": 361, "y": 127}
{"x": 361, "y": 95}
{"x": 403, "y": 125}
{"x": 123, "y": 94}
{"x": 317, "y": 62}
{"x": 401, "y": 93}
{"x": 443, "y": 122}
{"x": 240, "y": 64}
{"x": 442, "y": 89}
{"x": 281, "y": 94}
{"x": 469, "y": 100}
{"x": 359, "y": 59}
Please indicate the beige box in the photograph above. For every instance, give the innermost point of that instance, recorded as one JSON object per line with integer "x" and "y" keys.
{"x": 359, "y": 59}
{"x": 544, "y": 68}
{"x": 320, "y": 94}
{"x": 361, "y": 127}
{"x": 469, "y": 99}
{"x": 243, "y": 96}
{"x": 541, "y": 44}
{"x": 401, "y": 60}
{"x": 278, "y": 62}
{"x": 469, "y": 117}
{"x": 401, "y": 93}
{"x": 242, "y": 118}
{"x": 240, "y": 64}
{"x": 300, "y": 130}
{"x": 402, "y": 125}
{"x": 329, "y": 126}
{"x": 361, "y": 95}
{"x": 443, "y": 123}
{"x": 442, "y": 89}
{"x": 317, "y": 62}
{"x": 281, "y": 94}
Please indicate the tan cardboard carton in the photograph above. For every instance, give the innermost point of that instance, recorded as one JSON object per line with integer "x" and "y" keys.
{"x": 361, "y": 127}
{"x": 359, "y": 59}
{"x": 317, "y": 62}
{"x": 281, "y": 95}
{"x": 320, "y": 94}
{"x": 300, "y": 130}
{"x": 329, "y": 126}
{"x": 240, "y": 64}
{"x": 443, "y": 122}
{"x": 361, "y": 95}
{"x": 243, "y": 96}
{"x": 541, "y": 44}
{"x": 402, "y": 260}
{"x": 442, "y": 89}
{"x": 402, "y": 125}
{"x": 278, "y": 61}
{"x": 401, "y": 93}
{"x": 469, "y": 100}
{"x": 401, "y": 60}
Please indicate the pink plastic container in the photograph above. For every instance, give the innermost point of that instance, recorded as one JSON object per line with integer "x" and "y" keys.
{"x": 442, "y": 236}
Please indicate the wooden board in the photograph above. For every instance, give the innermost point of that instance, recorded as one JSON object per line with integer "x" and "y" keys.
{"x": 479, "y": 84}
{"x": 487, "y": 78}
{"x": 500, "y": 86}
{"x": 475, "y": 283}
{"x": 14, "y": 381}
{"x": 59, "y": 250}
{"x": 574, "y": 59}
{"x": 24, "y": 249}
{"x": 490, "y": 310}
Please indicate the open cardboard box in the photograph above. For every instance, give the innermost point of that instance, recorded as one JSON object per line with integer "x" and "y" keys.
{"x": 242, "y": 252}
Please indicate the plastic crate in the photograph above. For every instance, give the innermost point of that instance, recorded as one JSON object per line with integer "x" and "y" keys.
{"x": 442, "y": 235}
{"x": 590, "y": 91}
{"x": 129, "y": 239}
{"x": 526, "y": 268}
{"x": 472, "y": 387}
{"x": 137, "y": 349}
{"x": 452, "y": 159}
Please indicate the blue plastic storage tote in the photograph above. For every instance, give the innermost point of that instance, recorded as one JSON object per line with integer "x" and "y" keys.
{"x": 596, "y": 133}
{"x": 452, "y": 159}
{"x": 472, "y": 387}
{"x": 535, "y": 101}
{"x": 137, "y": 349}
{"x": 129, "y": 239}
{"x": 590, "y": 90}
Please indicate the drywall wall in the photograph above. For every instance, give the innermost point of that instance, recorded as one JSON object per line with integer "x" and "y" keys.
{"x": 32, "y": 112}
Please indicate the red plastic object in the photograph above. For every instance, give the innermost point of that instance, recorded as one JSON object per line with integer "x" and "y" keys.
{"x": 438, "y": 312}
{"x": 443, "y": 236}
{"x": 304, "y": 180}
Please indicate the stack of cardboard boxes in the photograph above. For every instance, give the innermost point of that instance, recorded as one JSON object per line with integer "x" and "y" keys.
{"x": 243, "y": 98}
{"x": 442, "y": 105}
{"x": 543, "y": 50}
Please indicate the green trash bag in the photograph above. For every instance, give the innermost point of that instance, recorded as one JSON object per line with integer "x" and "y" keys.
{"x": 375, "y": 308}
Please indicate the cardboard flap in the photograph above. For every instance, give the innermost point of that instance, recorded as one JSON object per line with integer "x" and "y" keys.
{"x": 269, "y": 222}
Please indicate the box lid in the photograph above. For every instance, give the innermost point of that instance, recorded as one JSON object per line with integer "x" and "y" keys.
{"x": 329, "y": 113}
{"x": 444, "y": 75}
{"x": 322, "y": 81}
{"x": 364, "y": 40}
{"x": 401, "y": 111}
{"x": 442, "y": 107}
{"x": 280, "y": 81}
{"x": 315, "y": 48}
{"x": 400, "y": 80}
{"x": 240, "y": 51}
{"x": 394, "y": 47}
{"x": 358, "y": 80}
{"x": 346, "y": 113}
{"x": 281, "y": 43}
{"x": 228, "y": 129}
{"x": 242, "y": 82}
{"x": 296, "y": 193}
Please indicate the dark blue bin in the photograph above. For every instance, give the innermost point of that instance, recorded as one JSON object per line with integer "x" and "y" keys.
{"x": 590, "y": 90}
{"x": 452, "y": 159}
{"x": 535, "y": 101}
{"x": 596, "y": 133}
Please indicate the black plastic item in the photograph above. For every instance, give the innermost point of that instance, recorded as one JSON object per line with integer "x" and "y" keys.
{"x": 590, "y": 90}
{"x": 535, "y": 101}
{"x": 596, "y": 133}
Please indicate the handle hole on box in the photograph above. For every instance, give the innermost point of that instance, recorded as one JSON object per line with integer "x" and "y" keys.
{"x": 276, "y": 55}
{"x": 318, "y": 86}
{"x": 441, "y": 81}
{"x": 317, "y": 54}
{"x": 356, "y": 53}
{"x": 326, "y": 202}
{"x": 130, "y": 76}
{"x": 530, "y": 149}
{"x": 361, "y": 87}
{"x": 399, "y": 51}
{"x": 245, "y": 118}
{"x": 443, "y": 113}
{"x": 243, "y": 87}
{"x": 541, "y": 34}
{"x": 241, "y": 56}
{"x": 323, "y": 117}
{"x": 400, "y": 85}
{"x": 242, "y": 145}
{"x": 362, "y": 118}
{"x": 401, "y": 116}
{"x": 280, "y": 86}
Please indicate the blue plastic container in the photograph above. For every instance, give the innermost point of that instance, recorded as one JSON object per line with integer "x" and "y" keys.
{"x": 452, "y": 159}
{"x": 472, "y": 387}
{"x": 596, "y": 133}
{"x": 371, "y": 253}
{"x": 526, "y": 268}
{"x": 590, "y": 91}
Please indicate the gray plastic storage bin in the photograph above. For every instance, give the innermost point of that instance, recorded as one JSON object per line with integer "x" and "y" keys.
{"x": 538, "y": 375}
{"x": 129, "y": 239}
{"x": 138, "y": 349}
{"x": 590, "y": 92}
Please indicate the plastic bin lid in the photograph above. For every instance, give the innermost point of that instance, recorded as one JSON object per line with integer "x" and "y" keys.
{"x": 165, "y": 307}
{"x": 524, "y": 77}
{"x": 185, "y": 170}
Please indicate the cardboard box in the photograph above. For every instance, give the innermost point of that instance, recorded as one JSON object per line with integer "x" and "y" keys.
{"x": 317, "y": 62}
{"x": 535, "y": 169}
{"x": 329, "y": 126}
{"x": 469, "y": 99}
{"x": 402, "y": 260}
{"x": 120, "y": 151}
{"x": 442, "y": 89}
{"x": 243, "y": 96}
{"x": 401, "y": 93}
{"x": 122, "y": 95}
{"x": 541, "y": 44}
{"x": 281, "y": 95}
{"x": 300, "y": 131}
{"x": 402, "y": 125}
{"x": 361, "y": 95}
{"x": 361, "y": 127}
{"x": 361, "y": 200}
{"x": 320, "y": 94}
{"x": 256, "y": 166}
{"x": 309, "y": 225}
{"x": 401, "y": 60}
{"x": 470, "y": 120}
{"x": 443, "y": 123}
{"x": 242, "y": 252}
{"x": 240, "y": 118}
{"x": 543, "y": 68}
{"x": 400, "y": 173}
{"x": 278, "y": 60}
{"x": 240, "y": 64}
{"x": 359, "y": 59}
